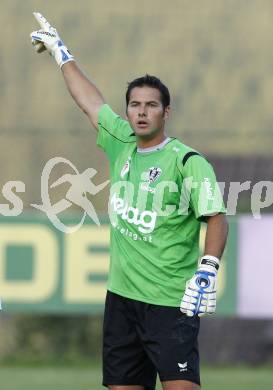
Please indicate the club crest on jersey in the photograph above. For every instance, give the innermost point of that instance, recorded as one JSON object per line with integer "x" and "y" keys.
{"x": 154, "y": 174}
{"x": 125, "y": 168}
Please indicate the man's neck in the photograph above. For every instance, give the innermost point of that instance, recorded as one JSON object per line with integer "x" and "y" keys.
{"x": 149, "y": 143}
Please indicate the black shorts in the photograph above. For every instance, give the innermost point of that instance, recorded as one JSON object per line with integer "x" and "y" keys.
{"x": 141, "y": 340}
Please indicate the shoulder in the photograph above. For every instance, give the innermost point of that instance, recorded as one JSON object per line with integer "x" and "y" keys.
{"x": 185, "y": 154}
{"x": 106, "y": 110}
{"x": 113, "y": 125}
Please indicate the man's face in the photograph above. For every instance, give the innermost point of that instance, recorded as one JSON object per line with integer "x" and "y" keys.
{"x": 145, "y": 112}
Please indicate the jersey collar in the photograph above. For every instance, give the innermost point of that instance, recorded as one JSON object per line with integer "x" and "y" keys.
{"x": 155, "y": 147}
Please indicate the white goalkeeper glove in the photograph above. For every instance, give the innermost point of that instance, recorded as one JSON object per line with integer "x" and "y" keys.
{"x": 47, "y": 38}
{"x": 200, "y": 294}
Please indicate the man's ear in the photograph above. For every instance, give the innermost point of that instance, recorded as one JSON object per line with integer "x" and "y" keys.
{"x": 167, "y": 112}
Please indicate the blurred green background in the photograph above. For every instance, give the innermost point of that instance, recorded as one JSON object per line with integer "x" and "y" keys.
{"x": 216, "y": 58}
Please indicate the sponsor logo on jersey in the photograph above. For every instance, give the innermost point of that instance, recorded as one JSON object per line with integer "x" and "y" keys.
{"x": 145, "y": 220}
{"x": 125, "y": 168}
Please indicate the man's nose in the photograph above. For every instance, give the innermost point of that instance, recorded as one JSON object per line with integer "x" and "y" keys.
{"x": 142, "y": 112}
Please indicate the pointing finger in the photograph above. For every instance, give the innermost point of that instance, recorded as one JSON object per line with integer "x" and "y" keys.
{"x": 42, "y": 21}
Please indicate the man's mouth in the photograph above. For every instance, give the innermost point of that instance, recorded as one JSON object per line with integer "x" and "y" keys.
{"x": 142, "y": 123}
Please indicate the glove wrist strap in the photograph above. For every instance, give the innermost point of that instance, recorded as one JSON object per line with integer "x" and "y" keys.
{"x": 61, "y": 54}
{"x": 209, "y": 263}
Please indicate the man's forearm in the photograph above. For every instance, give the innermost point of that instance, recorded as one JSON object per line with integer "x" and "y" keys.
{"x": 216, "y": 236}
{"x": 83, "y": 91}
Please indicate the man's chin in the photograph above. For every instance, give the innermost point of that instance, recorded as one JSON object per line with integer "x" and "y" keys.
{"x": 144, "y": 133}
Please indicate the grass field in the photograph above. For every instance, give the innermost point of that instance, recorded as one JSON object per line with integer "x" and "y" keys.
{"x": 75, "y": 378}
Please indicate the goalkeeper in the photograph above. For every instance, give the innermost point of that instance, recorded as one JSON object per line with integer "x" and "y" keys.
{"x": 157, "y": 288}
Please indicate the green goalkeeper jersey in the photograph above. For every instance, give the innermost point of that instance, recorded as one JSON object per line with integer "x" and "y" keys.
{"x": 158, "y": 199}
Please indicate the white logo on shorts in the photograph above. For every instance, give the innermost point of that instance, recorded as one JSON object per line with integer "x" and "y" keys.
{"x": 183, "y": 366}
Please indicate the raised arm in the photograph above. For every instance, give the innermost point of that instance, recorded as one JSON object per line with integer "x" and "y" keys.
{"x": 83, "y": 91}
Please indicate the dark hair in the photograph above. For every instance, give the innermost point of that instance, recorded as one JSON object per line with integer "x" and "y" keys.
{"x": 149, "y": 81}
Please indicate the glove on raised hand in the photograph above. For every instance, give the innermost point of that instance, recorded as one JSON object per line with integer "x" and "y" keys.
{"x": 47, "y": 38}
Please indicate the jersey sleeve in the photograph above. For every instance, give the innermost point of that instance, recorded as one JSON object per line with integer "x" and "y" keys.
{"x": 204, "y": 193}
{"x": 113, "y": 132}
